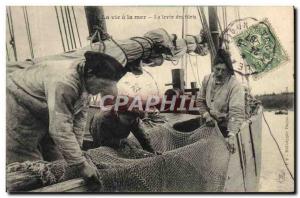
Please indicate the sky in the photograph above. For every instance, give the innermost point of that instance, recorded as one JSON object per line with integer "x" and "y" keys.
{"x": 275, "y": 81}
{"x": 280, "y": 18}
{"x": 46, "y": 40}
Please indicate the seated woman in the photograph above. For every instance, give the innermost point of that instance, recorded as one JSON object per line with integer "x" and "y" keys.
{"x": 221, "y": 98}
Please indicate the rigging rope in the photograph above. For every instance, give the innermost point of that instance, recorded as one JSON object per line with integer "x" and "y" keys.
{"x": 237, "y": 13}
{"x": 185, "y": 31}
{"x": 141, "y": 45}
{"x": 207, "y": 31}
{"x": 183, "y": 59}
{"x": 7, "y": 53}
{"x": 280, "y": 152}
{"x": 197, "y": 68}
{"x": 224, "y": 36}
{"x": 186, "y": 56}
{"x": 244, "y": 63}
{"x": 175, "y": 63}
{"x": 71, "y": 25}
{"x": 64, "y": 25}
{"x": 76, "y": 25}
{"x": 158, "y": 93}
{"x": 237, "y": 17}
{"x": 72, "y": 29}
{"x": 69, "y": 28}
{"x": 219, "y": 23}
{"x": 61, "y": 36}
{"x": 12, "y": 41}
{"x": 194, "y": 74}
{"x": 182, "y": 24}
{"x": 28, "y": 31}
{"x": 224, "y": 17}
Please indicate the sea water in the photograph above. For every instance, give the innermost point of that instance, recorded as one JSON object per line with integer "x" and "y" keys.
{"x": 274, "y": 175}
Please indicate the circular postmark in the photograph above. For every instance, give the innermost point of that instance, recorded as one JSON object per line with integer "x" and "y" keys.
{"x": 254, "y": 47}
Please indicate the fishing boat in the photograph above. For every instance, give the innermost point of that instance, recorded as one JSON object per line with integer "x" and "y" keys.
{"x": 189, "y": 163}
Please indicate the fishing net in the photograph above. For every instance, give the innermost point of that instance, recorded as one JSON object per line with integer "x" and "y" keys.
{"x": 192, "y": 161}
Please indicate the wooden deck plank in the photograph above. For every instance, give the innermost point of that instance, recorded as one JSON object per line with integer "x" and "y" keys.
{"x": 63, "y": 186}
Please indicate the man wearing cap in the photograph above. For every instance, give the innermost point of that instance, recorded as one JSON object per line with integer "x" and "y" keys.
{"x": 111, "y": 128}
{"x": 47, "y": 105}
{"x": 222, "y": 98}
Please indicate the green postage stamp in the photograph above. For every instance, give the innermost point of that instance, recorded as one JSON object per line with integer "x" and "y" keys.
{"x": 260, "y": 48}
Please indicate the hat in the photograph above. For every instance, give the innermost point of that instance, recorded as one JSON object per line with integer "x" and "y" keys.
{"x": 103, "y": 66}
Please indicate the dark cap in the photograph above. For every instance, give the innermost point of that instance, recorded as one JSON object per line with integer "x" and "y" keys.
{"x": 103, "y": 66}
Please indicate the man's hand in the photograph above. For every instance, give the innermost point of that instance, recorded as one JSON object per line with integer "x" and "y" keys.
{"x": 90, "y": 173}
{"x": 217, "y": 115}
{"x": 124, "y": 143}
{"x": 209, "y": 121}
{"x": 231, "y": 143}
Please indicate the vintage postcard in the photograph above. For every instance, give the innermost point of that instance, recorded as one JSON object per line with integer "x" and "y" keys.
{"x": 150, "y": 99}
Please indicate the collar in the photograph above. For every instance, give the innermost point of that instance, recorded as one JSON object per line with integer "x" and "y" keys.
{"x": 80, "y": 70}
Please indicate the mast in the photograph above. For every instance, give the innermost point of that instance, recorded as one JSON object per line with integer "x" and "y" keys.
{"x": 95, "y": 18}
{"x": 213, "y": 27}
{"x": 184, "y": 58}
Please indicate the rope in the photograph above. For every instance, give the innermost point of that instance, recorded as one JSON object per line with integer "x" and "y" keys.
{"x": 126, "y": 57}
{"x": 186, "y": 30}
{"x": 107, "y": 36}
{"x": 245, "y": 67}
{"x": 12, "y": 41}
{"x": 64, "y": 24}
{"x": 76, "y": 25}
{"x": 182, "y": 27}
{"x": 158, "y": 93}
{"x": 69, "y": 28}
{"x": 224, "y": 36}
{"x": 237, "y": 16}
{"x": 7, "y": 53}
{"x": 71, "y": 25}
{"x": 143, "y": 49}
{"x": 98, "y": 32}
{"x": 209, "y": 34}
{"x": 198, "y": 71}
{"x": 60, "y": 32}
{"x": 175, "y": 63}
{"x": 221, "y": 29}
{"x": 28, "y": 31}
{"x": 151, "y": 42}
{"x": 207, "y": 31}
{"x": 226, "y": 21}
{"x": 237, "y": 13}
{"x": 194, "y": 74}
{"x": 183, "y": 59}
{"x": 104, "y": 46}
{"x": 219, "y": 23}
{"x": 280, "y": 152}
{"x": 224, "y": 17}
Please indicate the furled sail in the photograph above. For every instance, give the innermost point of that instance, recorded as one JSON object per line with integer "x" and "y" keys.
{"x": 151, "y": 49}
